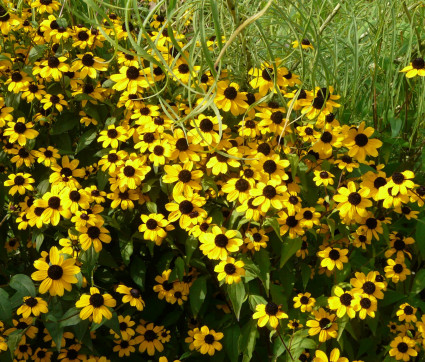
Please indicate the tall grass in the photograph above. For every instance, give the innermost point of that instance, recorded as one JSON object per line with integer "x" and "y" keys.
{"x": 359, "y": 48}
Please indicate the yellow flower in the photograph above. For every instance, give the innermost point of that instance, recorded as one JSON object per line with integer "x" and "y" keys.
{"x": 321, "y": 356}
{"x": 352, "y": 204}
{"x": 360, "y": 144}
{"x": 20, "y": 182}
{"x": 96, "y": 305}
{"x": 230, "y": 270}
{"x": 228, "y": 98}
{"x": 324, "y": 178}
{"x": 93, "y": 235}
{"x": 304, "y": 301}
{"x": 132, "y": 296}
{"x": 305, "y": 44}
{"x": 402, "y": 348}
{"x": 324, "y": 324}
{"x": 186, "y": 178}
{"x": 333, "y": 257}
{"x": 269, "y": 312}
{"x": 33, "y": 306}
{"x": 217, "y": 244}
{"x": 396, "y": 270}
{"x": 343, "y": 303}
{"x": 56, "y": 275}
{"x": 416, "y": 67}
{"x": 407, "y": 313}
{"x": 206, "y": 341}
{"x": 154, "y": 227}
{"x": 20, "y": 131}
{"x": 148, "y": 339}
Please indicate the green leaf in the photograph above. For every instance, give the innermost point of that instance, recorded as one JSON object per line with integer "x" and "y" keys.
{"x": 152, "y": 207}
{"x": 230, "y": 341}
{"x": 86, "y": 139}
{"x": 236, "y": 292}
{"x": 289, "y": 248}
{"x": 179, "y": 267}
{"x": 420, "y": 241}
{"x": 38, "y": 236}
{"x": 5, "y": 307}
{"x": 254, "y": 300}
{"x": 208, "y": 182}
{"x": 102, "y": 179}
{"x": 36, "y": 52}
{"x": 294, "y": 161}
{"x": 247, "y": 339}
{"x": 274, "y": 224}
{"x": 13, "y": 339}
{"x": 396, "y": 124}
{"x": 23, "y": 284}
{"x": 418, "y": 283}
{"x": 262, "y": 259}
{"x": 105, "y": 258}
{"x": 305, "y": 274}
{"x": 138, "y": 272}
{"x": 191, "y": 245}
{"x": 56, "y": 332}
{"x": 126, "y": 251}
{"x": 64, "y": 122}
{"x": 89, "y": 259}
{"x": 70, "y": 318}
{"x": 114, "y": 323}
{"x": 197, "y": 294}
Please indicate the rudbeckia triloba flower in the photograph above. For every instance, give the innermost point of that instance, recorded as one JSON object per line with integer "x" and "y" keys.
{"x": 304, "y": 301}
{"x": 343, "y": 303}
{"x": 304, "y": 43}
{"x": 93, "y": 235}
{"x": 321, "y": 356}
{"x": 269, "y": 312}
{"x": 352, "y": 204}
{"x": 218, "y": 243}
{"x": 365, "y": 305}
{"x": 124, "y": 347}
{"x": 20, "y": 131}
{"x": 228, "y": 98}
{"x": 96, "y": 305}
{"x": 368, "y": 284}
{"x": 407, "y": 313}
{"x": 148, "y": 339}
{"x": 333, "y": 257}
{"x": 403, "y": 348}
{"x": 416, "y": 67}
{"x": 132, "y": 296}
{"x": 20, "y": 182}
{"x": 154, "y": 227}
{"x": 206, "y": 341}
{"x": 324, "y": 324}
{"x": 230, "y": 270}
{"x": 360, "y": 144}
{"x": 32, "y": 306}
{"x": 57, "y": 275}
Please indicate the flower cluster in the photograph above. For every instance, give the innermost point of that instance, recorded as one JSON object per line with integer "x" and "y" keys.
{"x": 149, "y": 197}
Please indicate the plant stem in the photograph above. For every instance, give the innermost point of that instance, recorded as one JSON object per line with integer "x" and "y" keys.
{"x": 283, "y": 342}
{"x": 329, "y": 18}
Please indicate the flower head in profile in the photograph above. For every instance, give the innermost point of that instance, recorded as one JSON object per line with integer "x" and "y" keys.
{"x": 415, "y": 68}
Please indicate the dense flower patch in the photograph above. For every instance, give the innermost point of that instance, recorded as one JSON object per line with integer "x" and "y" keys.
{"x": 159, "y": 209}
